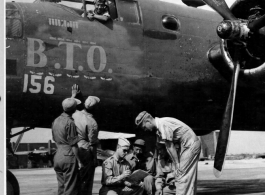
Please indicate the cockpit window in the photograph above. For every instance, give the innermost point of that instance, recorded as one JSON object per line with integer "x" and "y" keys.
{"x": 13, "y": 21}
{"x": 129, "y": 11}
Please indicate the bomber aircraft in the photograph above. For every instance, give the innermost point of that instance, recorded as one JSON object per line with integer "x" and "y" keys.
{"x": 167, "y": 59}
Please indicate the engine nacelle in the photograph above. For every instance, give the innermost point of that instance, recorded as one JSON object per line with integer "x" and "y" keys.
{"x": 252, "y": 56}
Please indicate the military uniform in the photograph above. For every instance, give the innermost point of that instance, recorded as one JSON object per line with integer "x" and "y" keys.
{"x": 87, "y": 132}
{"x": 173, "y": 130}
{"x": 145, "y": 165}
{"x": 112, "y": 184}
{"x": 87, "y": 129}
{"x": 114, "y": 171}
{"x": 65, "y": 163}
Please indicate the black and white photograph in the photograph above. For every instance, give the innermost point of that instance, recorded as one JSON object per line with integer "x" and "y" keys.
{"x": 133, "y": 97}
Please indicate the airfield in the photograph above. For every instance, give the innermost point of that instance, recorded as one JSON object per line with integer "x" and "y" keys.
{"x": 240, "y": 177}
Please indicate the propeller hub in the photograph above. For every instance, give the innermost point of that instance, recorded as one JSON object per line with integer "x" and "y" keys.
{"x": 235, "y": 29}
{"x": 224, "y": 29}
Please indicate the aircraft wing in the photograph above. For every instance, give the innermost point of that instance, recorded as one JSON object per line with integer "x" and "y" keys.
{"x": 22, "y": 153}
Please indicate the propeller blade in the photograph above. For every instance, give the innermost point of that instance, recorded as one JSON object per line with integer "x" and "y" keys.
{"x": 221, "y": 7}
{"x": 223, "y": 138}
{"x": 257, "y": 24}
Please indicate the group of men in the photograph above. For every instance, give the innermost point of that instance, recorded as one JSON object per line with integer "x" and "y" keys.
{"x": 171, "y": 170}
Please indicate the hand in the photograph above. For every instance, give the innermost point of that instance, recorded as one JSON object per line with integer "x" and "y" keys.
{"x": 80, "y": 165}
{"x": 159, "y": 192}
{"x": 141, "y": 184}
{"x": 90, "y": 16}
{"x": 75, "y": 90}
{"x": 126, "y": 173}
{"x": 127, "y": 189}
{"x": 126, "y": 183}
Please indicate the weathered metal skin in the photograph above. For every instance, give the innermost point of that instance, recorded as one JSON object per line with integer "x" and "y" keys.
{"x": 131, "y": 64}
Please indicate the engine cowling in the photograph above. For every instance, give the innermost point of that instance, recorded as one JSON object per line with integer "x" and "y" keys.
{"x": 252, "y": 62}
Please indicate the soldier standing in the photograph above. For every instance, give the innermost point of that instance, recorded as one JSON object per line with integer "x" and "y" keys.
{"x": 172, "y": 131}
{"x": 66, "y": 159}
{"x": 87, "y": 129}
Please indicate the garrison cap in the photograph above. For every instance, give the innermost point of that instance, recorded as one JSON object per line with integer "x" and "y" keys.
{"x": 69, "y": 104}
{"x": 91, "y": 101}
{"x": 123, "y": 142}
{"x": 139, "y": 142}
{"x": 139, "y": 119}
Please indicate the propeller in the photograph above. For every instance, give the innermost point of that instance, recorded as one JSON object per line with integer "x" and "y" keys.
{"x": 238, "y": 31}
{"x": 221, "y": 7}
{"x": 223, "y": 137}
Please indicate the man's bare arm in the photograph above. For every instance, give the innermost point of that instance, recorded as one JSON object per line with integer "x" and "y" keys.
{"x": 101, "y": 17}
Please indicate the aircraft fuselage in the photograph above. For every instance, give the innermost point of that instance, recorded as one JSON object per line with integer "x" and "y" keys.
{"x": 132, "y": 63}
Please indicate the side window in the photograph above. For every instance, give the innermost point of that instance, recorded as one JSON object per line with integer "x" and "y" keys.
{"x": 129, "y": 11}
{"x": 13, "y": 21}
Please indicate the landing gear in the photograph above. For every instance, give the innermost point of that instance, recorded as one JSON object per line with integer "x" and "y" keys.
{"x": 12, "y": 186}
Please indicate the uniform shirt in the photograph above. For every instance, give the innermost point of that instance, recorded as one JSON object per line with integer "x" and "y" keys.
{"x": 133, "y": 160}
{"x": 112, "y": 168}
{"x": 64, "y": 132}
{"x": 87, "y": 129}
{"x": 174, "y": 130}
{"x": 146, "y": 163}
